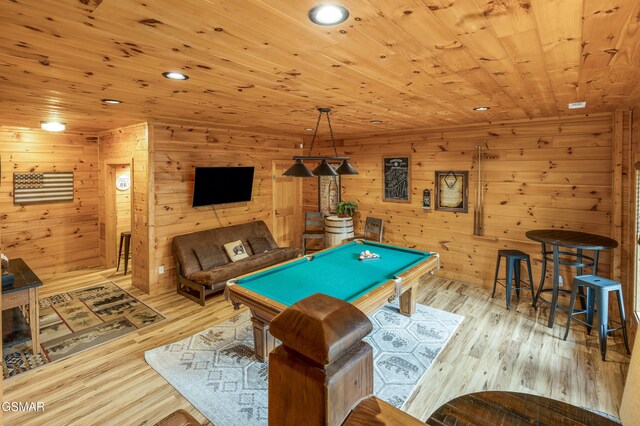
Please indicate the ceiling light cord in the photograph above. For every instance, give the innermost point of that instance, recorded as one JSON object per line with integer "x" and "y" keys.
{"x": 333, "y": 141}
{"x": 315, "y": 133}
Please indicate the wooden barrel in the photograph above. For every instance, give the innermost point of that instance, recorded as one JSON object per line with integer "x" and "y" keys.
{"x": 337, "y": 229}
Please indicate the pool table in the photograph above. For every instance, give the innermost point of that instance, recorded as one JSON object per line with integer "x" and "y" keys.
{"x": 337, "y": 272}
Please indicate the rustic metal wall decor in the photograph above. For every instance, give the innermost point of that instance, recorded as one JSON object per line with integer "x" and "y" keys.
{"x": 30, "y": 188}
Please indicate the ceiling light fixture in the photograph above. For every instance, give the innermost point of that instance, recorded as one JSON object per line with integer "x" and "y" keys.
{"x": 328, "y": 14}
{"x": 577, "y": 105}
{"x": 309, "y": 129}
{"x": 324, "y": 168}
{"x": 174, "y": 75}
{"x": 111, "y": 101}
{"x": 52, "y": 126}
{"x": 481, "y": 108}
{"x": 376, "y": 121}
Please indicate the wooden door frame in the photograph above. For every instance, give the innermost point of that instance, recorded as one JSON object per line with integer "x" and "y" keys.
{"x": 110, "y": 224}
{"x": 299, "y": 199}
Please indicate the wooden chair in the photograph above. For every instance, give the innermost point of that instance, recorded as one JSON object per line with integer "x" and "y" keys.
{"x": 313, "y": 229}
{"x": 372, "y": 230}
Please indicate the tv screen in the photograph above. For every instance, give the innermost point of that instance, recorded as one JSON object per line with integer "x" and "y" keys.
{"x": 222, "y": 185}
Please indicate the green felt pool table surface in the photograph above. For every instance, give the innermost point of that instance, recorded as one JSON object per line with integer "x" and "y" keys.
{"x": 336, "y": 272}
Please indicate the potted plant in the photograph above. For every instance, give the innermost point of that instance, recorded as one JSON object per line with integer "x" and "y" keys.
{"x": 346, "y": 208}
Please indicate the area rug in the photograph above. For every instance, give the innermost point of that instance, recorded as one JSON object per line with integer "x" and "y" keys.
{"x": 216, "y": 369}
{"x": 78, "y": 320}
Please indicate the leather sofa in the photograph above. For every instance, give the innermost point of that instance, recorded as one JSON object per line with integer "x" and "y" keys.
{"x": 203, "y": 267}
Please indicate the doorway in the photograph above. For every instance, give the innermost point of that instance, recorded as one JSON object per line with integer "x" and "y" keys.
{"x": 287, "y": 206}
{"x": 118, "y": 213}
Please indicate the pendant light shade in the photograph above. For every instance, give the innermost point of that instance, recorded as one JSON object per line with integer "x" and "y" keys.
{"x": 324, "y": 169}
{"x": 346, "y": 169}
{"x": 298, "y": 170}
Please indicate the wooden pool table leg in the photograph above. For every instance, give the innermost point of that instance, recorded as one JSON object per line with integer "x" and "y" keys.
{"x": 264, "y": 342}
{"x": 408, "y": 302}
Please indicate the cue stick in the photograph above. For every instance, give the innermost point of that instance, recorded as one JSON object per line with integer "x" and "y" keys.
{"x": 475, "y": 200}
{"x": 481, "y": 188}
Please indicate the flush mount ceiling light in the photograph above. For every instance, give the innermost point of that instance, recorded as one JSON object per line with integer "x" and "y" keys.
{"x": 577, "y": 105}
{"x": 328, "y": 14}
{"x": 111, "y": 101}
{"x": 174, "y": 75}
{"x": 308, "y": 129}
{"x": 481, "y": 108}
{"x": 376, "y": 121}
{"x": 52, "y": 126}
{"x": 324, "y": 168}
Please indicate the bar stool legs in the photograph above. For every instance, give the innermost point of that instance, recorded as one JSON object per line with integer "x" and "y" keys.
{"x": 126, "y": 238}
{"x": 597, "y": 296}
{"x": 513, "y": 259}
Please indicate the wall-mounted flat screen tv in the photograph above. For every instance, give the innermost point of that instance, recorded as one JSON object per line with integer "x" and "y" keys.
{"x": 222, "y": 185}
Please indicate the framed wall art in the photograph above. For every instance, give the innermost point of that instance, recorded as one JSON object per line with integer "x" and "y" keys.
{"x": 396, "y": 175}
{"x": 329, "y": 193}
{"x": 452, "y": 191}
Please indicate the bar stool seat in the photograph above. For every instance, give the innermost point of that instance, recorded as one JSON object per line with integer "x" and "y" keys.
{"x": 597, "y": 298}
{"x": 513, "y": 259}
{"x": 126, "y": 238}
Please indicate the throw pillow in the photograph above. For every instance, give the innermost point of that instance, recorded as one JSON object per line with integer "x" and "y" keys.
{"x": 259, "y": 244}
{"x": 210, "y": 257}
{"x": 236, "y": 250}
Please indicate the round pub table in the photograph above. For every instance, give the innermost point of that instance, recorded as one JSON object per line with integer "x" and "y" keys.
{"x": 570, "y": 240}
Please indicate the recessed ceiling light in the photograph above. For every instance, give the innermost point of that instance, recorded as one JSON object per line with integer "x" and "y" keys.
{"x": 309, "y": 129}
{"x": 482, "y": 108}
{"x": 376, "y": 121}
{"x": 111, "y": 101}
{"x": 174, "y": 75}
{"x": 328, "y": 14}
{"x": 52, "y": 126}
{"x": 577, "y": 105}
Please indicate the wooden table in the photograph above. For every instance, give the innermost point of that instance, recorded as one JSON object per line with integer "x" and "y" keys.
{"x": 513, "y": 408}
{"x": 24, "y": 293}
{"x": 579, "y": 241}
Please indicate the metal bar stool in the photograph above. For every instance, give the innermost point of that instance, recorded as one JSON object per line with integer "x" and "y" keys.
{"x": 597, "y": 297}
{"x": 513, "y": 257}
{"x": 126, "y": 238}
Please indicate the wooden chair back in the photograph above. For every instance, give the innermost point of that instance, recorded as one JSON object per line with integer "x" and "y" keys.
{"x": 630, "y": 405}
{"x": 373, "y": 229}
{"x": 313, "y": 222}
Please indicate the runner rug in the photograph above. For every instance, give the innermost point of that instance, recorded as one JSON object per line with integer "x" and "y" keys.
{"x": 216, "y": 369}
{"x": 78, "y": 320}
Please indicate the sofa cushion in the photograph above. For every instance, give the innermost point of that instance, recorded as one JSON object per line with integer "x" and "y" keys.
{"x": 244, "y": 266}
{"x": 210, "y": 256}
{"x": 259, "y": 244}
{"x": 236, "y": 250}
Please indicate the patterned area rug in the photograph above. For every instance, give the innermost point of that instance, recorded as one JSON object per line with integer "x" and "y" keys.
{"x": 78, "y": 320}
{"x": 217, "y": 372}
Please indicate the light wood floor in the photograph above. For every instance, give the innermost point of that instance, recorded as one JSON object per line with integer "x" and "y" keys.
{"x": 493, "y": 349}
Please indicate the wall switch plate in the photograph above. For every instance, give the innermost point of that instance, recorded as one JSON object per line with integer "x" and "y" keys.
{"x": 560, "y": 281}
{"x": 161, "y": 269}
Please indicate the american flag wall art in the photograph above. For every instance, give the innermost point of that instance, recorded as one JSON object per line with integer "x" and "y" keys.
{"x": 42, "y": 187}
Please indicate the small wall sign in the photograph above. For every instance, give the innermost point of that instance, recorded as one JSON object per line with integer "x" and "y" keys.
{"x": 426, "y": 199}
{"x": 123, "y": 182}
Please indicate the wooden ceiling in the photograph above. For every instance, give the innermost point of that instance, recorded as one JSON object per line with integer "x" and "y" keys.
{"x": 262, "y": 65}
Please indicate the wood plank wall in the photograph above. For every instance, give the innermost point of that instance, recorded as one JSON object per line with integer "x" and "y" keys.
{"x": 551, "y": 173}
{"x": 131, "y": 144}
{"x": 178, "y": 150}
{"x": 51, "y": 237}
